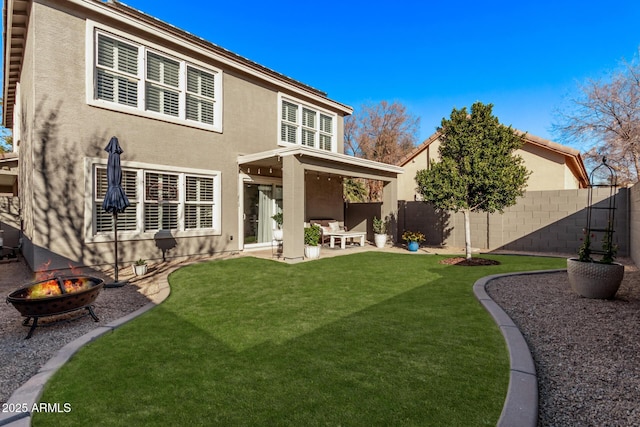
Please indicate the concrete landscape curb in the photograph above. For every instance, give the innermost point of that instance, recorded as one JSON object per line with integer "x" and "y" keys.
{"x": 521, "y": 405}
{"x": 30, "y": 392}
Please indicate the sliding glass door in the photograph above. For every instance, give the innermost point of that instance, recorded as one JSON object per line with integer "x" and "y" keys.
{"x": 261, "y": 202}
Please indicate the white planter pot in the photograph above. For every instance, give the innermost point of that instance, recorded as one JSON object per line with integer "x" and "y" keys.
{"x": 312, "y": 252}
{"x": 380, "y": 240}
{"x": 140, "y": 270}
{"x": 277, "y": 234}
{"x": 594, "y": 279}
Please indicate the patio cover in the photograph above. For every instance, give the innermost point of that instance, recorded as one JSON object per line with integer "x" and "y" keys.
{"x": 296, "y": 161}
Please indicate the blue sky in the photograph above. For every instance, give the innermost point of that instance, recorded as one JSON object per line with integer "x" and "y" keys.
{"x": 526, "y": 58}
{"x": 432, "y": 56}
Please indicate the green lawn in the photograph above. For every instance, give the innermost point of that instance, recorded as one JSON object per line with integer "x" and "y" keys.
{"x": 359, "y": 340}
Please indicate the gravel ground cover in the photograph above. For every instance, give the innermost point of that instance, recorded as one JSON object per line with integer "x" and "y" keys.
{"x": 22, "y": 358}
{"x": 586, "y": 351}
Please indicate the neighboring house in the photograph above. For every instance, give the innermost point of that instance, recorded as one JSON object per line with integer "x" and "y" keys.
{"x": 214, "y": 144}
{"x": 553, "y": 166}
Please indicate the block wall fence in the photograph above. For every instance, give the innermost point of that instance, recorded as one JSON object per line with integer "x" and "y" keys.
{"x": 634, "y": 223}
{"x": 541, "y": 221}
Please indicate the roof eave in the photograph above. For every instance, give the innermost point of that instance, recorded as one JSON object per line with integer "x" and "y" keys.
{"x": 126, "y": 14}
{"x": 325, "y": 155}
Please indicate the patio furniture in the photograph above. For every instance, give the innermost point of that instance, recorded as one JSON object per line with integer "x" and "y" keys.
{"x": 327, "y": 226}
{"x": 333, "y": 229}
{"x": 343, "y": 236}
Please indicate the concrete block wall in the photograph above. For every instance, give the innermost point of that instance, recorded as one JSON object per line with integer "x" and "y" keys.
{"x": 634, "y": 223}
{"x": 552, "y": 221}
{"x": 541, "y": 221}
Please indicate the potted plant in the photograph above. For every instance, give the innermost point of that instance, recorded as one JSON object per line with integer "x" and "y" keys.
{"x": 140, "y": 267}
{"x": 595, "y": 278}
{"x": 598, "y": 278}
{"x": 277, "y": 232}
{"x": 311, "y": 241}
{"x": 413, "y": 239}
{"x": 379, "y": 232}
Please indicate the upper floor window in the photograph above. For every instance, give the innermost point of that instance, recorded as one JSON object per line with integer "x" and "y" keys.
{"x": 305, "y": 125}
{"x": 132, "y": 77}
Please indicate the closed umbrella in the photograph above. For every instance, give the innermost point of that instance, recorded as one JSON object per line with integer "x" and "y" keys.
{"x": 115, "y": 201}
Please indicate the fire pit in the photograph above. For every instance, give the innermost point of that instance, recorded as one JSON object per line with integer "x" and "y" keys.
{"x": 56, "y": 296}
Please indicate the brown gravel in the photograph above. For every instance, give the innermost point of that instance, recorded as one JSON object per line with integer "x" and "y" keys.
{"x": 586, "y": 351}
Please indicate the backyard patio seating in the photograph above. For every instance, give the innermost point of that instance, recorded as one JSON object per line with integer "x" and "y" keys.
{"x": 333, "y": 230}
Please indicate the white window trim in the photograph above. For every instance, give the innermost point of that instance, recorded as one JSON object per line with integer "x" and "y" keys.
{"x": 89, "y": 214}
{"x": 301, "y": 105}
{"x": 92, "y": 28}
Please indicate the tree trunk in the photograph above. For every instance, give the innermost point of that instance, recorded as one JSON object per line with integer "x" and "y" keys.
{"x": 636, "y": 163}
{"x": 467, "y": 233}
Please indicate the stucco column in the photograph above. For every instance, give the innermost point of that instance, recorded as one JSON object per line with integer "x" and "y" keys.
{"x": 293, "y": 197}
{"x": 389, "y": 208}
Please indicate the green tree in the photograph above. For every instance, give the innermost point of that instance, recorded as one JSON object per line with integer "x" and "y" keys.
{"x": 354, "y": 190}
{"x": 478, "y": 170}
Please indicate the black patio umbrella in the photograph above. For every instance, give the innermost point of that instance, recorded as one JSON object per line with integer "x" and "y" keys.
{"x": 115, "y": 200}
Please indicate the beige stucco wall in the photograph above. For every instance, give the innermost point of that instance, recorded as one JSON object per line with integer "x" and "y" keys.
{"x": 406, "y": 181}
{"x": 63, "y": 131}
{"x": 549, "y": 170}
{"x": 25, "y": 180}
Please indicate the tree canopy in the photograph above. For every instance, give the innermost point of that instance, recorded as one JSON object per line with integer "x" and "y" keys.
{"x": 605, "y": 115}
{"x": 477, "y": 169}
{"x": 383, "y": 132}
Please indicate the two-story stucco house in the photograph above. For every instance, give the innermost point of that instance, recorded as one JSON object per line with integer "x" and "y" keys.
{"x": 214, "y": 144}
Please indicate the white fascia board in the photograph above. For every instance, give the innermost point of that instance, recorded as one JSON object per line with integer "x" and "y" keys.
{"x": 325, "y": 155}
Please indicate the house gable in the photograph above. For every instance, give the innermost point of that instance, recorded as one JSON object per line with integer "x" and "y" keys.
{"x": 553, "y": 166}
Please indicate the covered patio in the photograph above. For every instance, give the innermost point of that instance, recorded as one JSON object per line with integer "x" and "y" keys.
{"x": 312, "y": 186}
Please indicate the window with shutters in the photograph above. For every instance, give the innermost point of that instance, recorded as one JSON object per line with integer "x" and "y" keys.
{"x": 175, "y": 201}
{"x": 289, "y": 127}
{"x": 200, "y": 95}
{"x": 198, "y": 210}
{"x": 160, "y": 201}
{"x": 127, "y": 219}
{"x": 163, "y": 80}
{"x": 130, "y": 76}
{"x": 117, "y": 71}
{"x": 306, "y": 125}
